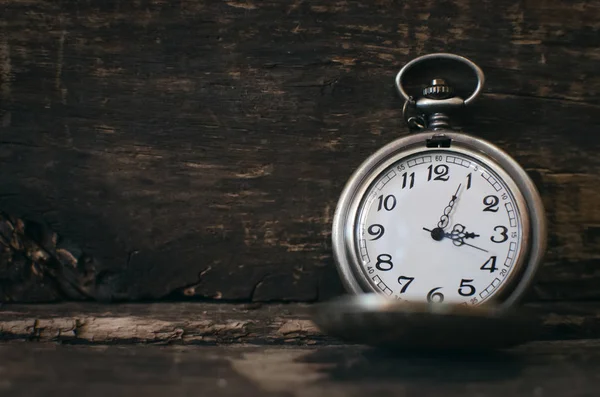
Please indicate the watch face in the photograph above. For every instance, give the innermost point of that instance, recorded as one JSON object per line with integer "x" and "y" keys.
{"x": 440, "y": 225}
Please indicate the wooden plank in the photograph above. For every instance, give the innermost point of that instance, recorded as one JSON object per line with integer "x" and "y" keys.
{"x": 541, "y": 369}
{"x": 197, "y": 148}
{"x": 166, "y": 323}
{"x": 217, "y": 323}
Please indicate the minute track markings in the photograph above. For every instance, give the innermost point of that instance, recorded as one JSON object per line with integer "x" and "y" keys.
{"x": 408, "y": 262}
{"x": 382, "y": 233}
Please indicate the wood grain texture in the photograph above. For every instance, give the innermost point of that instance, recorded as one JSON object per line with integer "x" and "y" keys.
{"x": 541, "y": 369}
{"x": 185, "y": 323}
{"x": 167, "y": 323}
{"x": 198, "y": 148}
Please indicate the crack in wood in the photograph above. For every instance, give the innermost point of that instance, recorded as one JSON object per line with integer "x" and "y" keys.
{"x": 162, "y": 156}
{"x": 579, "y": 101}
{"x": 46, "y": 261}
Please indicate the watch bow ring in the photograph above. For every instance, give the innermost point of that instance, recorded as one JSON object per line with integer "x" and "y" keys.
{"x": 439, "y": 215}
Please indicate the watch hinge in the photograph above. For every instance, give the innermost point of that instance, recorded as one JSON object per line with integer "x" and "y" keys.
{"x": 439, "y": 141}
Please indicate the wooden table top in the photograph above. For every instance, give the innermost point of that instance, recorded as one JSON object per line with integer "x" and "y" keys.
{"x": 548, "y": 369}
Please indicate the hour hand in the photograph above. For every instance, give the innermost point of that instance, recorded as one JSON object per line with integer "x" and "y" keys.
{"x": 458, "y": 236}
{"x": 459, "y": 232}
{"x": 438, "y": 234}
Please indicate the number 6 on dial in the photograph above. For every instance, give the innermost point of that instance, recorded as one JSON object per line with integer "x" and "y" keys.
{"x": 439, "y": 216}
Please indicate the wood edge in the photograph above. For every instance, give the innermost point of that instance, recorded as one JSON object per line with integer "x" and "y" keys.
{"x": 219, "y": 323}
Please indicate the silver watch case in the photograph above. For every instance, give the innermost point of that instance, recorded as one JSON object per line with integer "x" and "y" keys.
{"x": 524, "y": 190}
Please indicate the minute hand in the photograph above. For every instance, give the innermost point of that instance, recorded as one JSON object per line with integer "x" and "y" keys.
{"x": 448, "y": 209}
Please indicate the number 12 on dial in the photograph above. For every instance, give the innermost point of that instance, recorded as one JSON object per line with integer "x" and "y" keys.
{"x": 449, "y": 227}
{"x": 439, "y": 216}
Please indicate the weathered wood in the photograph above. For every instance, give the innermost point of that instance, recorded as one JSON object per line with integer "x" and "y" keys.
{"x": 185, "y": 323}
{"x": 202, "y": 323}
{"x": 540, "y": 369}
{"x": 197, "y": 148}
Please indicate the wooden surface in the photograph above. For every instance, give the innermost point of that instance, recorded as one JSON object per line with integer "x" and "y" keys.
{"x": 172, "y": 323}
{"x": 178, "y": 149}
{"x": 541, "y": 369}
{"x": 217, "y": 323}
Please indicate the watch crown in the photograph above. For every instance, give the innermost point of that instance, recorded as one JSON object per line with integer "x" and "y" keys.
{"x": 438, "y": 89}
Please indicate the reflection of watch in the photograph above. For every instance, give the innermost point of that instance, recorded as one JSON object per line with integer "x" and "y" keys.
{"x": 378, "y": 239}
{"x": 404, "y": 326}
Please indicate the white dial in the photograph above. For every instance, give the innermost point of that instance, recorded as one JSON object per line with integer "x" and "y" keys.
{"x": 440, "y": 225}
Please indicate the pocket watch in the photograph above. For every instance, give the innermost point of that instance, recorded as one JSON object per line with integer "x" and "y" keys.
{"x": 439, "y": 215}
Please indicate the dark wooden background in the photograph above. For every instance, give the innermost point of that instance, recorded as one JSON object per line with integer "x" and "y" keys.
{"x": 196, "y": 149}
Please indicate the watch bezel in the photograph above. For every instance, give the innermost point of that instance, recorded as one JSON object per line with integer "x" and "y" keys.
{"x": 526, "y": 194}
